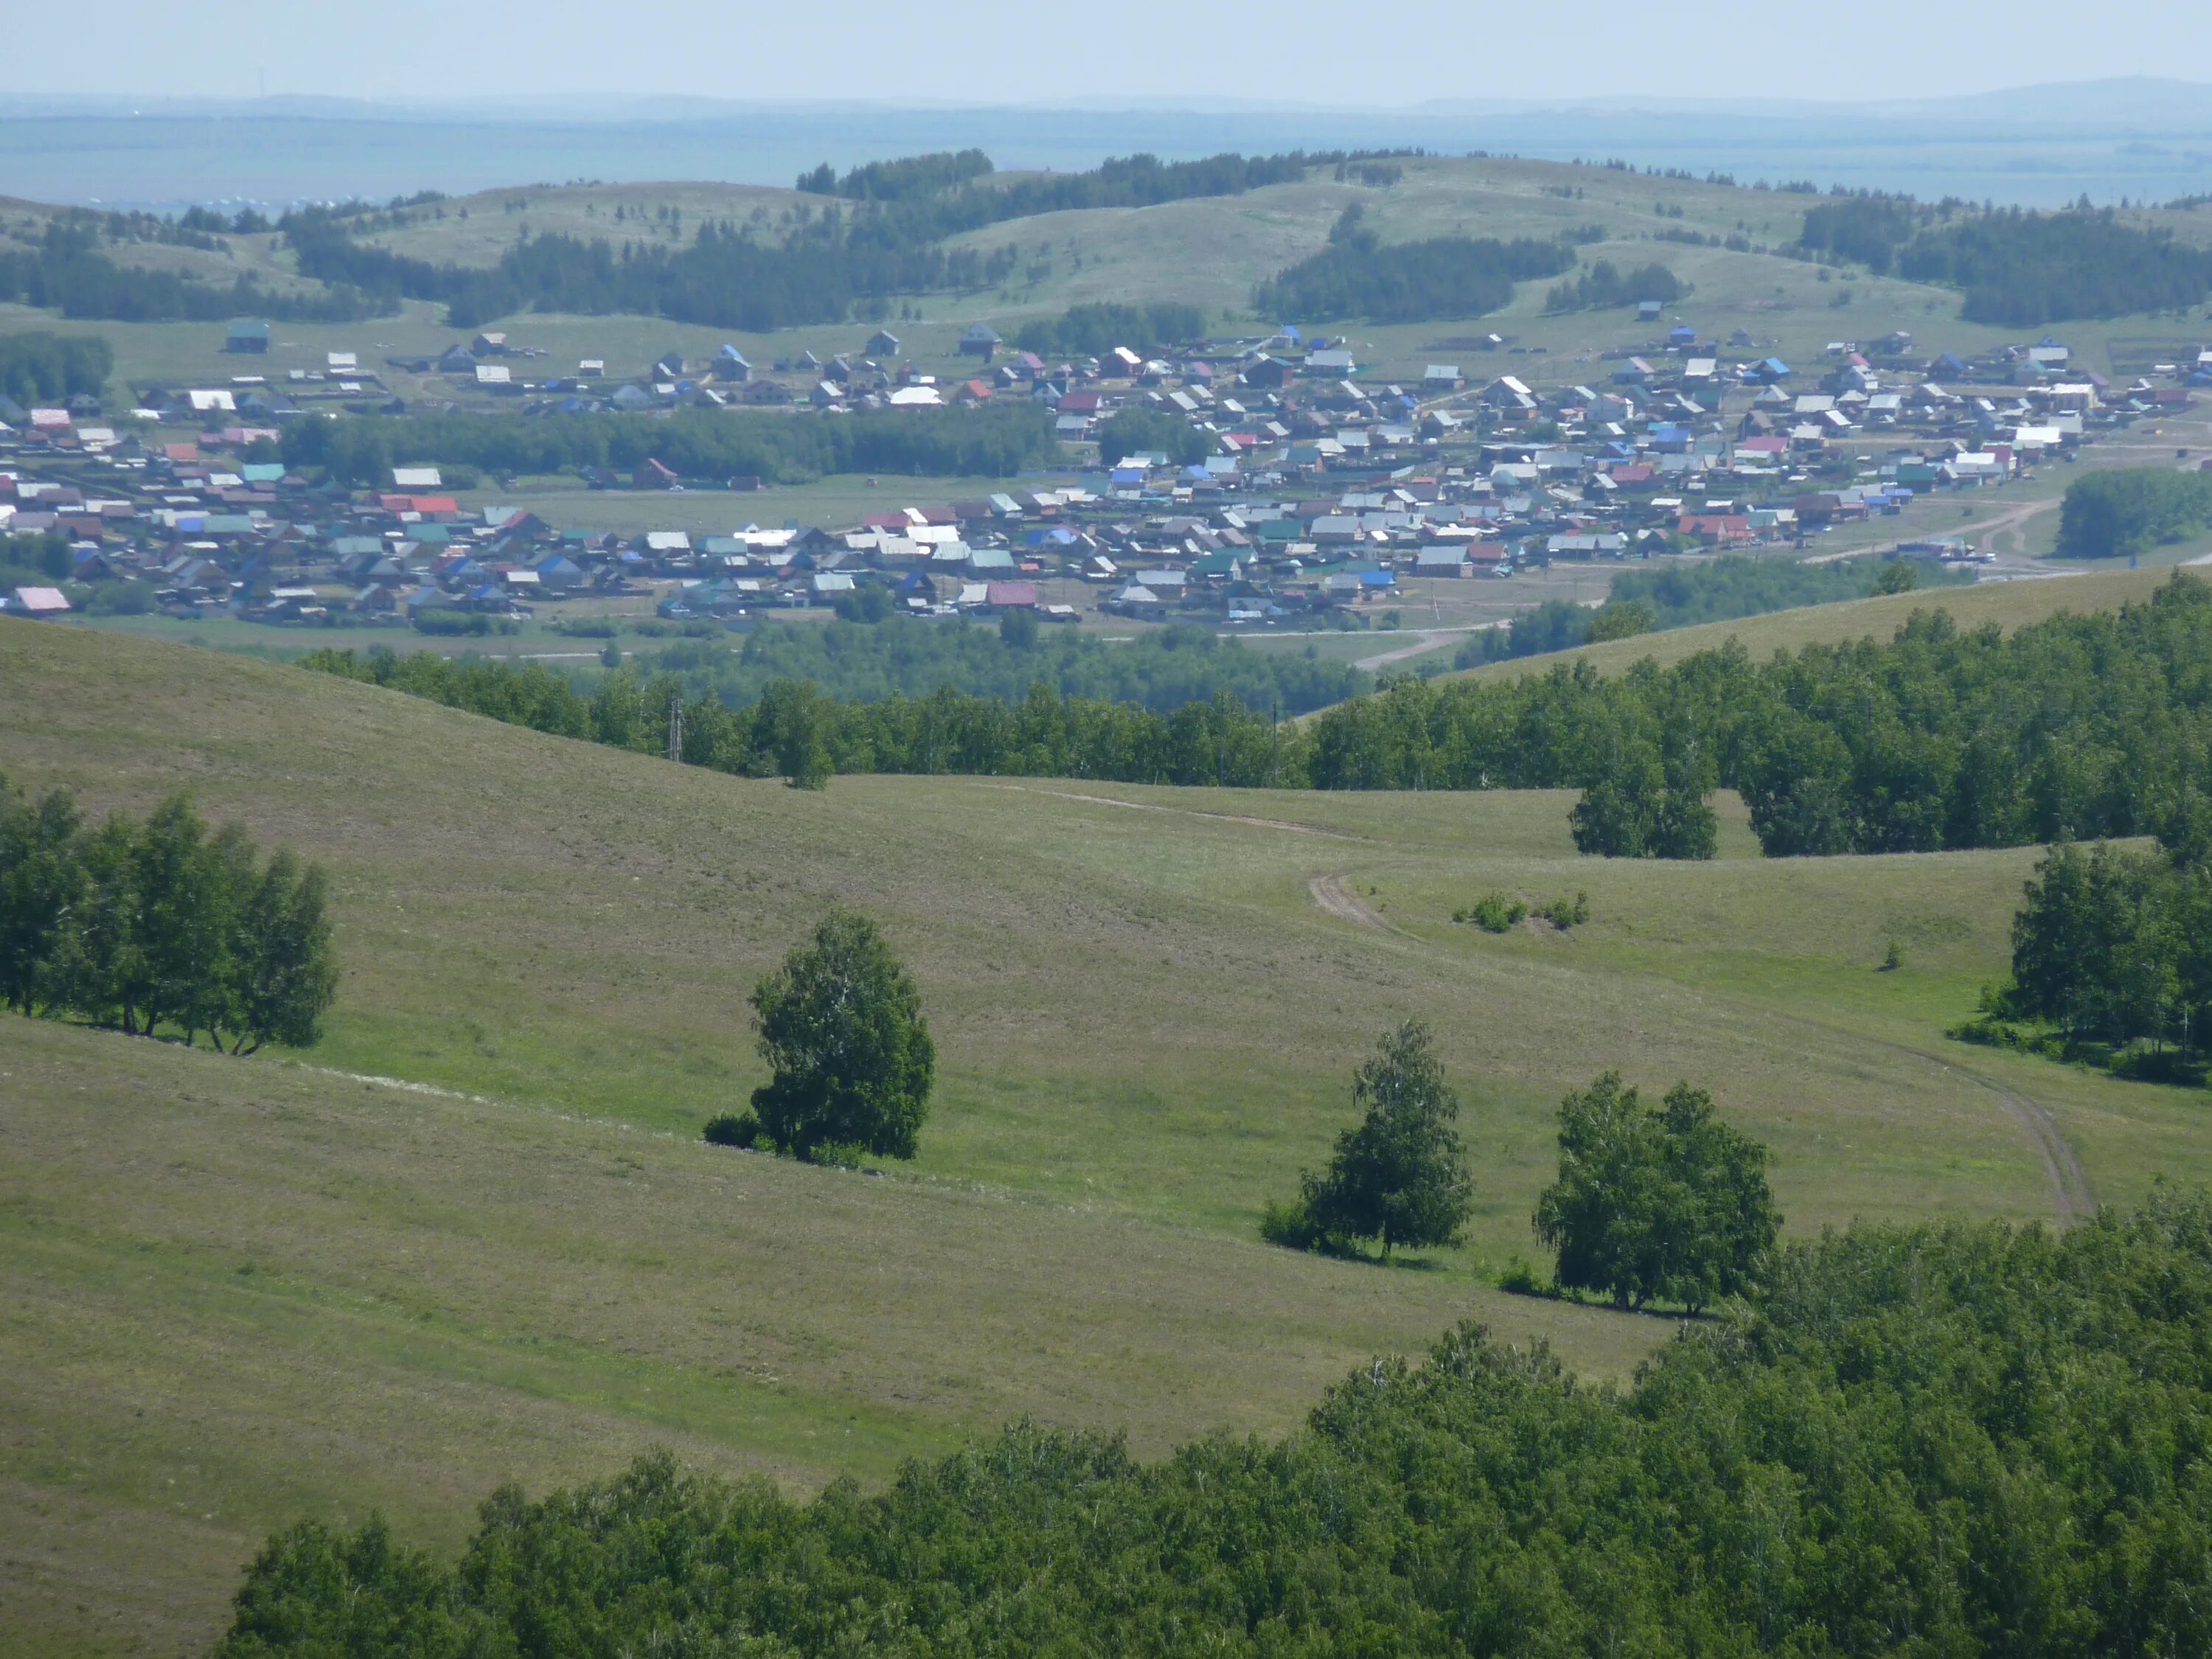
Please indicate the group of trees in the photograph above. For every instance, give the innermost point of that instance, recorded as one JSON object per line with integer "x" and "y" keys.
{"x": 143, "y": 925}
{"x": 1604, "y": 287}
{"x": 850, "y": 1057}
{"x": 2123, "y": 511}
{"x": 1683, "y": 595}
{"x": 2017, "y": 267}
{"x": 1091, "y": 330}
{"x": 993, "y": 440}
{"x": 1958, "y": 1438}
{"x": 2085, "y": 725}
{"x": 1657, "y": 1203}
{"x": 1665, "y": 1203}
{"x": 68, "y": 273}
{"x": 1137, "y": 430}
{"x": 882, "y": 234}
{"x": 2112, "y": 948}
{"x": 1440, "y": 276}
{"x": 41, "y": 367}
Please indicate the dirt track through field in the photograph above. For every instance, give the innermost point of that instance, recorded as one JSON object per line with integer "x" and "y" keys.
{"x": 2070, "y": 1193}
{"x": 1186, "y": 812}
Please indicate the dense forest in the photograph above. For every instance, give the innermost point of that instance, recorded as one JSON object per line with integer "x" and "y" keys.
{"x": 1160, "y": 670}
{"x": 2125, "y": 511}
{"x": 68, "y": 273}
{"x": 1955, "y": 1439}
{"x": 38, "y": 367}
{"x": 1684, "y": 595}
{"x": 1441, "y": 277}
{"x": 2017, "y": 267}
{"x": 997, "y": 440}
{"x": 2089, "y": 727}
{"x": 1604, "y": 287}
{"x": 1091, "y": 330}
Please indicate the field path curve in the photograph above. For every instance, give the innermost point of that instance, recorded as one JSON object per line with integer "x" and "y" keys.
{"x": 1330, "y": 893}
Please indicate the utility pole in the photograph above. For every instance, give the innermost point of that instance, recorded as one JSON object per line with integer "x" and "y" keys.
{"x": 676, "y": 725}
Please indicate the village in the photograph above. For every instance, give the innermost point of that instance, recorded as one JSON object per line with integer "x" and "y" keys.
{"x": 1324, "y": 490}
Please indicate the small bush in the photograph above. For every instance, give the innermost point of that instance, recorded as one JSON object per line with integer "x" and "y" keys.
{"x": 1493, "y": 913}
{"x": 1518, "y": 1277}
{"x": 734, "y": 1129}
{"x": 1291, "y": 1225}
{"x": 837, "y": 1154}
{"x": 456, "y": 623}
{"x": 588, "y": 628}
{"x": 123, "y": 598}
{"x": 1564, "y": 914}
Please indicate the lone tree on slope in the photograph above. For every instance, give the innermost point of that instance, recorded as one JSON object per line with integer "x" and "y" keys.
{"x": 841, "y": 1026}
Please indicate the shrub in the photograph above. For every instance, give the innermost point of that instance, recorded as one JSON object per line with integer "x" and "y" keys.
{"x": 732, "y": 1129}
{"x": 1494, "y": 912}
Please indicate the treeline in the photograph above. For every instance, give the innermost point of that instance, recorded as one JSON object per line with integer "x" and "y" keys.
{"x": 2125, "y": 511}
{"x": 1443, "y": 277}
{"x": 1091, "y": 330}
{"x": 821, "y": 267}
{"x": 2112, "y": 948}
{"x": 902, "y": 656}
{"x": 2088, "y": 727}
{"x": 1685, "y": 595}
{"x": 900, "y": 179}
{"x": 38, "y": 367}
{"x": 1958, "y": 1438}
{"x": 68, "y": 272}
{"x": 793, "y": 730}
{"x": 2024, "y": 269}
{"x": 1603, "y": 288}
{"x": 2017, "y": 267}
{"x": 1137, "y": 430}
{"x": 141, "y": 926}
{"x": 994, "y": 440}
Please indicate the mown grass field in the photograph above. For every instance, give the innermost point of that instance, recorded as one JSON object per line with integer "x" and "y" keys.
{"x": 237, "y": 1292}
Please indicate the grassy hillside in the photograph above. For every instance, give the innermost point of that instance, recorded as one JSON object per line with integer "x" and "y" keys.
{"x": 2009, "y": 604}
{"x": 285, "y": 1290}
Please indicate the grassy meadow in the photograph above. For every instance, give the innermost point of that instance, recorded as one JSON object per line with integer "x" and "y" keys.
{"x": 237, "y": 1292}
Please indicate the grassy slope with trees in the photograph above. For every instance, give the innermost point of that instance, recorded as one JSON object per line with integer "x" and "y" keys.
{"x": 565, "y": 926}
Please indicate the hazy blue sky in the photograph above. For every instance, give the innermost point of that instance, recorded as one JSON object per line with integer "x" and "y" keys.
{"x": 1017, "y": 50}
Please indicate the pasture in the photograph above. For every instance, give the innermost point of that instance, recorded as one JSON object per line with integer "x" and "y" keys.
{"x": 237, "y": 1292}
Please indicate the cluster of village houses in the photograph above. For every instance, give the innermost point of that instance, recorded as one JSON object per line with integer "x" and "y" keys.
{"x": 1325, "y": 489}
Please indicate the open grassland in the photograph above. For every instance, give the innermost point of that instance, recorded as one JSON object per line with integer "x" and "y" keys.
{"x": 290, "y": 1291}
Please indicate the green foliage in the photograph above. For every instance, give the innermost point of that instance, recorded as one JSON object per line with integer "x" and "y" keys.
{"x": 38, "y": 368}
{"x": 2113, "y": 946}
{"x": 732, "y": 1129}
{"x": 462, "y": 625}
{"x": 124, "y": 599}
{"x": 1618, "y": 620}
{"x": 1665, "y": 1203}
{"x": 2125, "y": 511}
{"x": 1564, "y": 913}
{"x": 1091, "y": 330}
{"x": 1684, "y": 595}
{"x": 997, "y": 439}
{"x": 1494, "y": 912}
{"x": 2024, "y": 269}
{"x": 1647, "y": 806}
{"x": 2087, "y": 726}
{"x": 1603, "y": 288}
{"x": 908, "y": 176}
{"x": 1400, "y": 1173}
{"x": 1866, "y": 228}
{"x": 842, "y": 1030}
{"x": 66, "y": 271}
{"x": 138, "y": 925}
{"x": 1140, "y": 431}
{"x": 1965, "y": 1440}
{"x": 1443, "y": 277}
{"x": 1896, "y": 576}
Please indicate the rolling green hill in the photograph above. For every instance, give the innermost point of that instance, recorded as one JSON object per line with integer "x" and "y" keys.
{"x": 238, "y": 1291}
